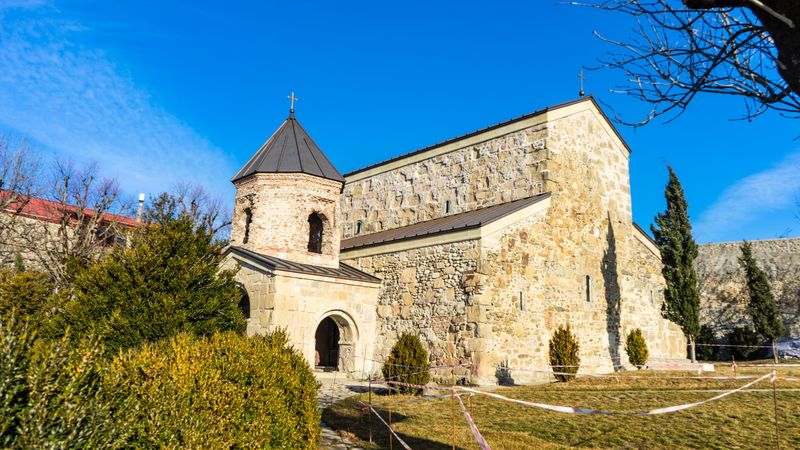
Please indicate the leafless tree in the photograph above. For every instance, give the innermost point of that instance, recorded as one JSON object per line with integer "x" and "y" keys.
{"x": 193, "y": 202}
{"x": 19, "y": 172}
{"x": 79, "y": 215}
{"x": 679, "y": 49}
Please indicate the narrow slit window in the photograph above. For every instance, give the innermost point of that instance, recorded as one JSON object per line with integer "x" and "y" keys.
{"x": 447, "y": 207}
{"x": 315, "y": 233}
{"x": 359, "y": 225}
{"x": 588, "y": 288}
{"x": 248, "y": 219}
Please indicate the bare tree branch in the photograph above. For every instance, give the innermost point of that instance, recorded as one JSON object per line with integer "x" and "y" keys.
{"x": 79, "y": 216}
{"x": 192, "y": 202}
{"x": 678, "y": 50}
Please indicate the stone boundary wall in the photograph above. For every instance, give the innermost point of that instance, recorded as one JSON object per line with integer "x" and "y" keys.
{"x": 723, "y": 293}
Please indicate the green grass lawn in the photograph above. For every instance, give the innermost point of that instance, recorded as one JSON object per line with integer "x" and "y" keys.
{"x": 742, "y": 420}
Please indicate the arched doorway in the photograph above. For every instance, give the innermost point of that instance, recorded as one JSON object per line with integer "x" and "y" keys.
{"x": 326, "y": 344}
{"x": 244, "y": 303}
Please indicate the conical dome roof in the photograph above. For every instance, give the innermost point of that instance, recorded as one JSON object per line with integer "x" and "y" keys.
{"x": 290, "y": 150}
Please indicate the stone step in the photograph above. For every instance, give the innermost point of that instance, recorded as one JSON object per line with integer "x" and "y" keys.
{"x": 681, "y": 366}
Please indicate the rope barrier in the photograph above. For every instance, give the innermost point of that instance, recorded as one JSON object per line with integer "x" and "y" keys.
{"x": 589, "y": 411}
{"x": 401, "y": 441}
{"x": 622, "y": 377}
{"x": 768, "y": 365}
{"x": 472, "y": 427}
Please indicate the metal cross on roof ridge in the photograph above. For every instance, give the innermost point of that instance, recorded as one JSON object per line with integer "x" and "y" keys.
{"x": 293, "y": 99}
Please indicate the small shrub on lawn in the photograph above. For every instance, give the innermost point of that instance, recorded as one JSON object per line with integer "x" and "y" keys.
{"x": 636, "y": 347}
{"x": 408, "y": 363}
{"x": 564, "y": 353}
{"x": 221, "y": 391}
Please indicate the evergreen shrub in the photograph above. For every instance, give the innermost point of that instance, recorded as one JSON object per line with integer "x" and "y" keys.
{"x": 707, "y": 352}
{"x": 167, "y": 282}
{"x": 221, "y": 391}
{"x": 28, "y": 294}
{"x": 51, "y": 393}
{"x": 636, "y": 347}
{"x": 408, "y": 363}
{"x": 564, "y": 353}
{"x": 745, "y": 343}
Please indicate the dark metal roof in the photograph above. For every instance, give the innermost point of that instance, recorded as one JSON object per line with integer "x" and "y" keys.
{"x": 492, "y": 127}
{"x": 290, "y": 150}
{"x": 457, "y": 222}
{"x": 344, "y": 271}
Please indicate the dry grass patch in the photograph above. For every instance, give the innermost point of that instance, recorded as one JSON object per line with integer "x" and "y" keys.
{"x": 742, "y": 420}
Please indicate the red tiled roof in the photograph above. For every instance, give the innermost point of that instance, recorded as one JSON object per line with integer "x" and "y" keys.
{"x": 51, "y": 211}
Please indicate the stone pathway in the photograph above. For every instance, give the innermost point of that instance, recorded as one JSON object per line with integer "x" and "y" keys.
{"x": 331, "y": 391}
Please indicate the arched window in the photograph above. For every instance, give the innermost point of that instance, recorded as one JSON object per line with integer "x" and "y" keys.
{"x": 315, "y": 233}
{"x": 248, "y": 219}
{"x": 359, "y": 225}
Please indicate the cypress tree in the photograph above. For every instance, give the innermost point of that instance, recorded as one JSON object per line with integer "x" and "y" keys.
{"x": 673, "y": 234}
{"x": 766, "y": 320}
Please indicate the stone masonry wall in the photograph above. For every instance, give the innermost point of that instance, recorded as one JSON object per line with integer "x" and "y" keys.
{"x": 642, "y": 302}
{"x": 723, "y": 293}
{"x": 587, "y": 231}
{"x": 299, "y": 302}
{"x": 423, "y": 292}
{"x": 500, "y": 170}
{"x": 281, "y": 205}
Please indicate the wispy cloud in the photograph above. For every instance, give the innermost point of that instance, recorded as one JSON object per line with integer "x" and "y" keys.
{"x": 752, "y": 201}
{"x": 76, "y": 101}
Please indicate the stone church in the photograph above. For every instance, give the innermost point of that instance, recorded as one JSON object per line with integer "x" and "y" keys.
{"x": 482, "y": 245}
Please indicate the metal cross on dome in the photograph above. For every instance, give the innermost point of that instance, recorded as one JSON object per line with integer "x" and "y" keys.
{"x": 293, "y": 99}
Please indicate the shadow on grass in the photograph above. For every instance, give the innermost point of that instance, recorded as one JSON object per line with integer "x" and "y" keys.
{"x": 350, "y": 416}
{"x": 589, "y": 440}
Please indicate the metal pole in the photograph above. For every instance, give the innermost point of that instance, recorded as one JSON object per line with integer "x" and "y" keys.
{"x": 390, "y": 424}
{"x": 775, "y": 404}
{"x": 453, "y": 405}
{"x": 369, "y": 413}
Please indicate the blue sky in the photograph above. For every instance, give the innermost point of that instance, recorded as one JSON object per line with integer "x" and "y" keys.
{"x": 166, "y": 92}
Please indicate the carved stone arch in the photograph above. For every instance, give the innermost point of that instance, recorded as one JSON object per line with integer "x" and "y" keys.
{"x": 343, "y": 350}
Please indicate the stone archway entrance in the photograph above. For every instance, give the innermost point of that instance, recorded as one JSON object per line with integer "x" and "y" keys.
{"x": 326, "y": 345}
{"x": 334, "y": 345}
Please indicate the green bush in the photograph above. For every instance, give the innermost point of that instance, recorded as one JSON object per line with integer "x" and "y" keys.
{"x": 28, "y": 294}
{"x": 707, "y": 351}
{"x": 564, "y": 353}
{"x": 222, "y": 391}
{"x": 636, "y": 347}
{"x": 746, "y": 343}
{"x": 408, "y": 363}
{"x": 167, "y": 282}
{"x": 51, "y": 394}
